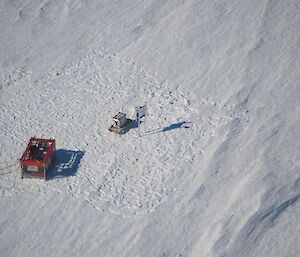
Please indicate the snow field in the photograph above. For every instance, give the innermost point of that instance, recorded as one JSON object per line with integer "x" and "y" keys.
{"x": 120, "y": 174}
{"x": 216, "y": 171}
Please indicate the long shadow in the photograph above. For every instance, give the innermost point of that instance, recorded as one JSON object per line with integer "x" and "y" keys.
{"x": 66, "y": 164}
{"x": 179, "y": 125}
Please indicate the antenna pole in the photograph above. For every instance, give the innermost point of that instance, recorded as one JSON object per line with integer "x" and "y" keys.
{"x": 139, "y": 123}
{"x": 141, "y": 112}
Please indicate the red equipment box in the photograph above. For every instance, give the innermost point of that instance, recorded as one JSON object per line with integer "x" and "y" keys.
{"x": 37, "y": 158}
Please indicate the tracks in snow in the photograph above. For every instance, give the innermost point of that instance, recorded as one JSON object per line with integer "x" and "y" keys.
{"x": 120, "y": 174}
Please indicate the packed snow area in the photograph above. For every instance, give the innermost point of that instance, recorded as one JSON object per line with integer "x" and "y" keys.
{"x": 216, "y": 170}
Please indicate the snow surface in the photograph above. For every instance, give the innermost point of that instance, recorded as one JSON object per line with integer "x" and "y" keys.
{"x": 216, "y": 171}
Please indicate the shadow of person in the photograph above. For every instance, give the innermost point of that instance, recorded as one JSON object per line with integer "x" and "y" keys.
{"x": 178, "y": 125}
{"x": 66, "y": 164}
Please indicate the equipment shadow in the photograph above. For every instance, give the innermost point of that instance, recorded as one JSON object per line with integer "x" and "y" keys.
{"x": 66, "y": 164}
{"x": 133, "y": 124}
{"x": 178, "y": 125}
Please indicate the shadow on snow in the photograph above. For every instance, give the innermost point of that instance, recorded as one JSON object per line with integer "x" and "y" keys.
{"x": 66, "y": 164}
{"x": 132, "y": 124}
{"x": 178, "y": 125}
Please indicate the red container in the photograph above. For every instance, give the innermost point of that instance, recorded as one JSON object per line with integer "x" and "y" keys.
{"x": 37, "y": 158}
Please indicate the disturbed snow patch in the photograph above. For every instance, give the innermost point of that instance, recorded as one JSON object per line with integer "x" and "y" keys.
{"x": 121, "y": 174}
